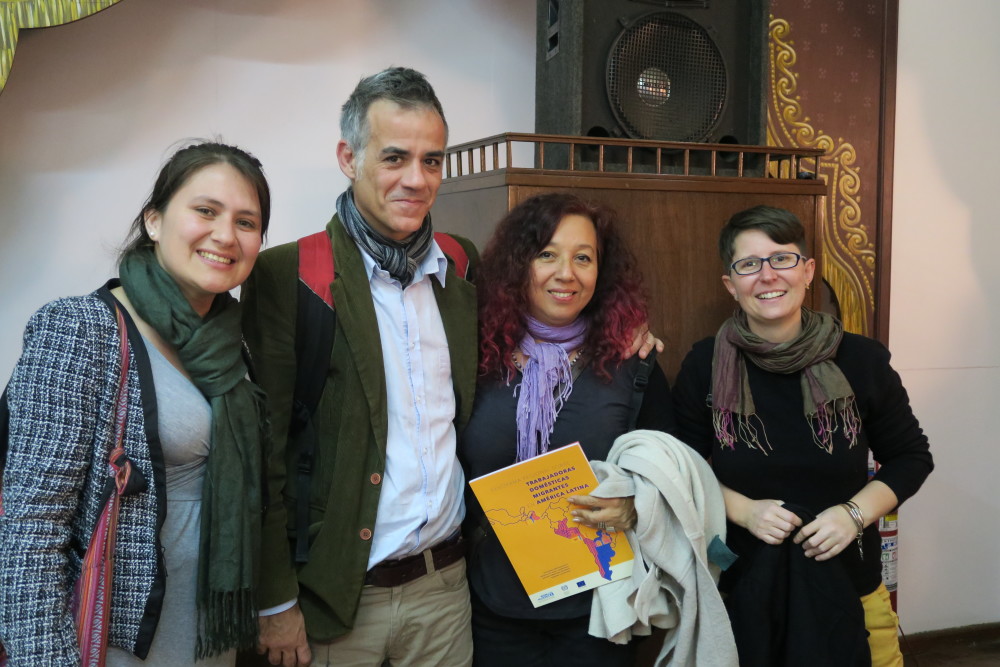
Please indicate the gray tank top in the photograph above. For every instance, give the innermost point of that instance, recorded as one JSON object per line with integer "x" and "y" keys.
{"x": 185, "y": 422}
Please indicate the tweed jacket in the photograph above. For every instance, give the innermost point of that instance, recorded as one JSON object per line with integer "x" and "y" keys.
{"x": 351, "y": 421}
{"x": 61, "y": 400}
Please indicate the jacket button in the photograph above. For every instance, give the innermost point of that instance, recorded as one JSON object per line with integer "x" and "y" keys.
{"x": 365, "y": 534}
{"x": 376, "y": 478}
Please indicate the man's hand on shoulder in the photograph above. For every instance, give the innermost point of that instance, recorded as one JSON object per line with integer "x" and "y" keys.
{"x": 643, "y": 342}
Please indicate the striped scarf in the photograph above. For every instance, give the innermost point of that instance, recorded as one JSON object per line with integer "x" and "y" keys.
{"x": 399, "y": 258}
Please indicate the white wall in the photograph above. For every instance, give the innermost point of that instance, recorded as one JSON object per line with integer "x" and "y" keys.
{"x": 945, "y": 305}
{"x": 91, "y": 108}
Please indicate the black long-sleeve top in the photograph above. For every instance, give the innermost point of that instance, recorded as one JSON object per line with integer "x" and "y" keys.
{"x": 794, "y": 468}
{"x": 595, "y": 414}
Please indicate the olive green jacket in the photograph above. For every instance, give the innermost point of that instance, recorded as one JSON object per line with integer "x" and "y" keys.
{"x": 351, "y": 422}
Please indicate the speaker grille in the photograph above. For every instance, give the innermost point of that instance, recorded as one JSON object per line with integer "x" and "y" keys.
{"x": 666, "y": 79}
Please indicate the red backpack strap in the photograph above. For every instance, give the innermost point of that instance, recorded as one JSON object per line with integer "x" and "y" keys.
{"x": 453, "y": 249}
{"x": 316, "y": 265}
{"x": 315, "y": 327}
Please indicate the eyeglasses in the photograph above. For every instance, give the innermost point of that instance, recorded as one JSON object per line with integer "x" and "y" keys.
{"x": 778, "y": 261}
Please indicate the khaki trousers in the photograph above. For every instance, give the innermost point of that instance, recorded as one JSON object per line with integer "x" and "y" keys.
{"x": 423, "y": 623}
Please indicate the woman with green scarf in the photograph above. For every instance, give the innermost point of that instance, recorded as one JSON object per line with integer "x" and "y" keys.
{"x": 788, "y": 406}
{"x": 194, "y": 430}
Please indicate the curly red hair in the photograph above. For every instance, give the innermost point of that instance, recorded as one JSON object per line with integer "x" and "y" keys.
{"x": 617, "y": 307}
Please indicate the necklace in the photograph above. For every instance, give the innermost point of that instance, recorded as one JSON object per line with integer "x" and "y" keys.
{"x": 572, "y": 361}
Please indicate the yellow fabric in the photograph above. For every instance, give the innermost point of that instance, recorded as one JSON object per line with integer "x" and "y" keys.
{"x": 16, "y": 14}
{"x": 882, "y": 625}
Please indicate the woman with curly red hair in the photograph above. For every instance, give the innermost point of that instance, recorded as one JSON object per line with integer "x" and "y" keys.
{"x": 559, "y": 299}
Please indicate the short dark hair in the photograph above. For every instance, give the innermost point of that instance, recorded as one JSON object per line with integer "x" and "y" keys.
{"x": 404, "y": 86}
{"x": 617, "y": 307}
{"x": 180, "y": 167}
{"x": 781, "y": 226}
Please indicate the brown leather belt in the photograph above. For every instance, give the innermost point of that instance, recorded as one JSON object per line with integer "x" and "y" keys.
{"x": 391, "y": 573}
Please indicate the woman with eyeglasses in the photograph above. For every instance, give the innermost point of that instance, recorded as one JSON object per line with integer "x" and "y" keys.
{"x": 787, "y": 406}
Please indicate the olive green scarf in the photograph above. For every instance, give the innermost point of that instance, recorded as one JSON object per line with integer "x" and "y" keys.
{"x": 827, "y": 396}
{"x": 210, "y": 351}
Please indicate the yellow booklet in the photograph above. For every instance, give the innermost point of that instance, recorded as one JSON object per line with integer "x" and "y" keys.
{"x": 527, "y": 507}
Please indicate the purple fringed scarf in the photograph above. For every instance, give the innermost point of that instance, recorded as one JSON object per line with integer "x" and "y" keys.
{"x": 546, "y": 382}
{"x": 827, "y": 397}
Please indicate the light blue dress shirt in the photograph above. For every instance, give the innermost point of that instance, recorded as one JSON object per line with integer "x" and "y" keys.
{"x": 421, "y": 502}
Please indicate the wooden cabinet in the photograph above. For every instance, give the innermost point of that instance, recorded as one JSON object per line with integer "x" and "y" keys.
{"x": 671, "y": 221}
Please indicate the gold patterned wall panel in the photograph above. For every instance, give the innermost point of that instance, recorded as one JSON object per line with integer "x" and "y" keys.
{"x": 805, "y": 102}
{"x": 18, "y": 14}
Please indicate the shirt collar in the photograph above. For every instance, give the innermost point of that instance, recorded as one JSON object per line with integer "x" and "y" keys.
{"x": 435, "y": 264}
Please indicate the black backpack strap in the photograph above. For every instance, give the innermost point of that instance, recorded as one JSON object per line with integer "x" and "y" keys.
{"x": 315, "y": 325}
{"x": 639, "y": 385}
{"x": 4, "y": 432}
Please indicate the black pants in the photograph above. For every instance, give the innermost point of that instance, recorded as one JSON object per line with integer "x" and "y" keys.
{"x": 499, "y": 641}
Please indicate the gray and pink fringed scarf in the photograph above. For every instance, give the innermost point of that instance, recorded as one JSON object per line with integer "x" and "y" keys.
{"x": 827, "y": 397}
{"x": 546, "y": 382}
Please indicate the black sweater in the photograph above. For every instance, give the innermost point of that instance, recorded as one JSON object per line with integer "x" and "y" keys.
{"x": 595, "y": 414}
{"x": 797, "y": 470}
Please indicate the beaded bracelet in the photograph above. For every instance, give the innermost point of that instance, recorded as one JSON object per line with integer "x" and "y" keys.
{"x": 859, "y": 522}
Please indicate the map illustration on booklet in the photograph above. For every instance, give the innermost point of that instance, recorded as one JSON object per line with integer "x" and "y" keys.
{"x": 527, "y": 507}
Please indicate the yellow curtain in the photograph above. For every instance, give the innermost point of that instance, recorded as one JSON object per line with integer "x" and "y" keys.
{"x": 17, "y": 14}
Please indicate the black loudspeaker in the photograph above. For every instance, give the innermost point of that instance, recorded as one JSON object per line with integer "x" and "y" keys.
{"x": 673, "y": 70}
